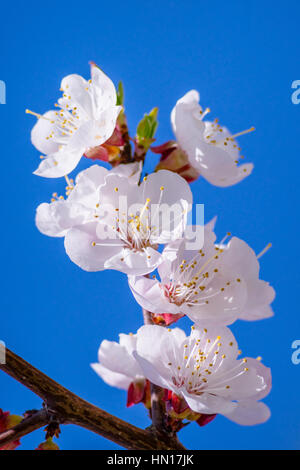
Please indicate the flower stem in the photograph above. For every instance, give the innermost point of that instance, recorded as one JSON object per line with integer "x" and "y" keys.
{"x": 158, "y": 410}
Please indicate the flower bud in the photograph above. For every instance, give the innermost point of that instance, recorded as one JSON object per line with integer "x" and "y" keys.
{"x": 139, "y": 392}
{"x": 173, "y": 158}
{"x": 7, "y": 421}
{"x": 48, "y": 445}
{"x": 205, "y": 419}
{"x": 110, "y": 150}
{"x": 165, "y": 319}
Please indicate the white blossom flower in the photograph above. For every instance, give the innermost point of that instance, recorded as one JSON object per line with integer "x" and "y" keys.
{"x": 131, "y": 222}
{"x": 204, "y": 370}
{"x": 215, "y": 285}
{"x": 211, "y": 149}
{"x": 118, "y": 368}
{"x": 85, "y": 118}
{"x": 59, "y": 216}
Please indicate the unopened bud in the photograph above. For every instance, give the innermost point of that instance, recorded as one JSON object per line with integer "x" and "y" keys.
{"x": 48, "y": 445}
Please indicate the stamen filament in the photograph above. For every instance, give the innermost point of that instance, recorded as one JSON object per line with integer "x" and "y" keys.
{"x": 238, "y": 134}
{"x": 264, "y": 250}
{"x": 37, "y": 115}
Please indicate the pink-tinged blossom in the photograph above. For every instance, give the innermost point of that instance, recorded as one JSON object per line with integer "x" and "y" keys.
{"x": 203, "y": 147}
{"x": 203, "y": 369}
{"x": 85, "y": 119}
{"x": 55, "y": 219}
{"x": 214, "y": 285}
{"x": 130, "y": 222}
{"x": 118, "y": 368}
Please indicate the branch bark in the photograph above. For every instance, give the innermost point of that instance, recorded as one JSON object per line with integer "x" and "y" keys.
{"x": 71, "y": 409}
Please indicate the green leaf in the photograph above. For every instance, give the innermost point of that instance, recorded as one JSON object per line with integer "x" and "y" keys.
{"x": 120, "y": 94}
{"x": 147, "y": 126}
{"x": 153, "y": 113}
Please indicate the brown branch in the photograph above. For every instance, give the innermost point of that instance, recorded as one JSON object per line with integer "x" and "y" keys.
{"x": 147, "y": 317}
{"x": 71, "y": 409}
{"x": 158, "y": 410}
{"x": 140, "y": 152}
{"x": 126, "y": 154}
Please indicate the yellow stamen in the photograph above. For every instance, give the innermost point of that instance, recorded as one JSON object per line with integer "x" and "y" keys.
{"x": 39, "y": 116}
{"x": 264, "y": 250}
{"x": 238, "y": 134}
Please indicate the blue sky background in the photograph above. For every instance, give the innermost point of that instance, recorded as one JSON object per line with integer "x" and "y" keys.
{"x": 242, "y": 57}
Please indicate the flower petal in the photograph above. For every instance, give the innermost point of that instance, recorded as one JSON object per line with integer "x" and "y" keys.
{"x": 60, "y": 163}
{"x": 86, "y": 190}
{"x": 112, "y": 378}
{"x": 208, "y": 404}
{"x": 149, "y": 295}
{"x": 41, "y": 131}
{"x": 249, "y": 413}
{"x": 130, "y": 170}
{"x": 260, "y": 294}
{"x": 158, "y": 345}
{"x": 128, "y": 341}
{"x": 217, "y": 166}
{"x": 170, "y": 199}
{"x": 241, "y": 259}
{"x": 117, "y": 358}
{"x": 95, "y": 132}
{"x": 149, "y": 340}
{"x": 150, "y": 371}
{"x": 133, "y": 262}
{"x": 265, "y": 378}
{"x": 76, "y": 89}
{"x": 79, "y": 247}
{"x": 214, "y": 160}
{"x": 186, "y": 123}
{"x": 103, "y": 89}
{"x": 57, "y": 218}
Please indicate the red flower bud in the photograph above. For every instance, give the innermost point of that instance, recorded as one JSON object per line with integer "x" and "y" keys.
{"x": 165, "y": 319}
{"x": 136, "y": 392}
{"x": 175, "y": 405}
{"x": 173, "y": 158}
{"x": 116, "y": 138}
{"x": 205, "y": 419}
{"x": 110, "y": 150}
{"x": 7, "y": 421}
